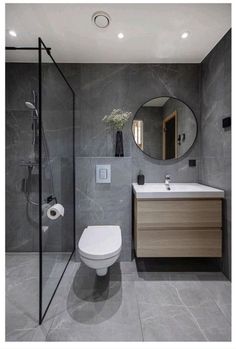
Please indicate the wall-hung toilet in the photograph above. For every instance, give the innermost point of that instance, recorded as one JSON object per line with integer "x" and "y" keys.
{"x": 100, "y": 246}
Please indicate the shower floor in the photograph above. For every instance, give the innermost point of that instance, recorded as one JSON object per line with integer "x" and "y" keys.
{"x": 22, "y": 286}
{"x": 126, "y": 305}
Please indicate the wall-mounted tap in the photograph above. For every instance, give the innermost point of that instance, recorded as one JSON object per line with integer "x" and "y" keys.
{"x": 167, "y": 181}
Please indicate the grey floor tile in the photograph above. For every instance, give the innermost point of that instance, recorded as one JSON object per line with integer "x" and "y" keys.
{"x": 85, "y": 313}
{"x": 19, "y": 258}
{"x": 212, "y": 321}
{"x": 102, "y": 297}
{"x": 105, "y": 331}
{"x": 168, "y": 323}
{"x": 220, "y": 291}
{"x": 226, "y": 310}
{"x": 24, "y": 298}
{"x": 20, "y": 336}
{"x": 17, "y": 319}
{"x": 30, "y": 335}
{"x": 191, "y": 293}
{"x": 21, "y": 268}
{"x": 91, "y": 323}
{"x": 125, "y": 305}
{"x": 156, "y": 292}
{"x": 20, "y": 326}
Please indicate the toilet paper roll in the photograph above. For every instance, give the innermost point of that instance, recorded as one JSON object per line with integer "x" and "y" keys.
{"x": 55, "y": 211}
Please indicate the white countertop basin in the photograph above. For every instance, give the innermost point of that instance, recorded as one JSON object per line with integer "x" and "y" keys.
{"x": 177, "y": 190}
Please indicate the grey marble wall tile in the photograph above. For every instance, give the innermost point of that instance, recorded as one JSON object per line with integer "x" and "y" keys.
{"x": 21, "y": 219}
{"x": 21, "y": 79}
{"x": 22, "y": 233}
{"x": 99, "y": 89}
{"x": 212, "y": 172}
{"x": 107, "y": 86}
{"x": 102, "y": 88}
{"x": 155, "y": 171}
{"x": 101, "y": 204}
{"x": 215, "y": 169}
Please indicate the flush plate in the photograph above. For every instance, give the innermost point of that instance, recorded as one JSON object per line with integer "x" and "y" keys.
{"x": 103, "y": 173}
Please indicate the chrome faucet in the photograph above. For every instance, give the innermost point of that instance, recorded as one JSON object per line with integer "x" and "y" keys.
{"x": 167, "y": 181}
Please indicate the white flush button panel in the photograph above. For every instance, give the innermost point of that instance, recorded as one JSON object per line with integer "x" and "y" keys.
{"x": 103, "y": 173}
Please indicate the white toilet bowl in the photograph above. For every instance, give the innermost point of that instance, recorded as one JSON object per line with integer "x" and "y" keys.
{"x": 100, "y": 246}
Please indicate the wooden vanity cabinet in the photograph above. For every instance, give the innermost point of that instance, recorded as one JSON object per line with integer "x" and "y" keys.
{"x": 178, "y": 227}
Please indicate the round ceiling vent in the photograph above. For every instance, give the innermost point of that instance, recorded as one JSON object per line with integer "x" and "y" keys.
{"x": 101, "y": 19}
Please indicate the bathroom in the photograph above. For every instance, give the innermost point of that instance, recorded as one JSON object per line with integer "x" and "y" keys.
{"x": 118, "y": 232}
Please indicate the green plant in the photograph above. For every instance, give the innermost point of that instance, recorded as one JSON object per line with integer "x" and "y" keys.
{"x": 117, "y": 118}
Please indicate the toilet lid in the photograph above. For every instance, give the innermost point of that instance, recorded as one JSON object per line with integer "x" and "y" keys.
{"x": 100, "y": 241}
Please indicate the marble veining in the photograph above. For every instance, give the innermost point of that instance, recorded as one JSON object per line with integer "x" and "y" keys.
{"x": 128, "y": 304}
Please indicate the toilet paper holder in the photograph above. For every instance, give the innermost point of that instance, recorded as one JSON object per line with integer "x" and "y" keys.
{"x": 51, "y": 198}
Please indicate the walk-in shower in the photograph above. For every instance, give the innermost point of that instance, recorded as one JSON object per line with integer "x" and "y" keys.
{"x": 40, "y": 173}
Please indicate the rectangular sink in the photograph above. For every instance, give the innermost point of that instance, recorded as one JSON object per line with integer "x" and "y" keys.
{"x": 177, "y": 190}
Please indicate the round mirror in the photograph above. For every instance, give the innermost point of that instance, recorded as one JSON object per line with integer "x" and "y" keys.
{"x": 164, "y": 128}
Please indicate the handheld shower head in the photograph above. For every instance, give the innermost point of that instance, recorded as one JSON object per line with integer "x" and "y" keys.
{"x": 32, "y": 107}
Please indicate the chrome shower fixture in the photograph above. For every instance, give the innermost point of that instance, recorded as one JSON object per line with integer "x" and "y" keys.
{"x": 32, "y": 107}
{"x": 35, "y": 115}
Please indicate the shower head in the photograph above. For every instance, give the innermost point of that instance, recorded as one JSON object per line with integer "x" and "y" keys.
{"x": 31, "y": 106}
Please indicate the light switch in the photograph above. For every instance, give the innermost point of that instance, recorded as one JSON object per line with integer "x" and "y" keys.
{"x": 103, "y": 173}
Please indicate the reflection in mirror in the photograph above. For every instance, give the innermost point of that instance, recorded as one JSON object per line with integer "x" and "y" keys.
{"x": 164, "y": 128}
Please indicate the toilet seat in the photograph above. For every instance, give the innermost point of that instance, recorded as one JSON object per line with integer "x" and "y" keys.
{"x": 100, "y": 241}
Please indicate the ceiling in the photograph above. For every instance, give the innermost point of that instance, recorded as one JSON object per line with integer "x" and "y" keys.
{"x": 152, "y": 32}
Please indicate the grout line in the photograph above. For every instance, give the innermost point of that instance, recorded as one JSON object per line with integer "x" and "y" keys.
{"x": 141, "y": 325}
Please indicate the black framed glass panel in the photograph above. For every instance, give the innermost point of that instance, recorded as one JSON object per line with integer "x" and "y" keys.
{"x": 56, "y": 134}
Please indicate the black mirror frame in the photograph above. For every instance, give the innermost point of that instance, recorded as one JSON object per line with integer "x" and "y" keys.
{"x": 169, "y": 160}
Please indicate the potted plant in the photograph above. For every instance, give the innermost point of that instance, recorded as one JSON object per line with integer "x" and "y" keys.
{"x": 117, "y": 119}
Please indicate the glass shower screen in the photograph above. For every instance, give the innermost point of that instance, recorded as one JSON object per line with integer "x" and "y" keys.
{"x": 56, "y": 165}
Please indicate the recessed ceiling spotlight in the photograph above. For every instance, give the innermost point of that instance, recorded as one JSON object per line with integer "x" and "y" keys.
{"x": 12, "y": 33}
{"x": 101, "y": 19}
{"x": 120, "y": 35}
{"x": 184, "y": 35}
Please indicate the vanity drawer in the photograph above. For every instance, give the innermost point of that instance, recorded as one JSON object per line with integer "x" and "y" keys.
{"x": 179, "y": 213}
{"x": 179, "y": 243}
